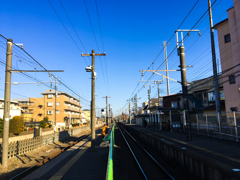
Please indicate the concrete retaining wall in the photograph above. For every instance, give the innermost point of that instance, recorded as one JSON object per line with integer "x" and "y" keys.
{"x": 190, "y": 162}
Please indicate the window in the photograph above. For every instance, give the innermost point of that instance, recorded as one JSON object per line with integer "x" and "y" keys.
{"x": 232, "y": 79}
{"x": 49, "y": 104}
{"x": 49, "y": 112}
{"x": 58, "y": 112}
{"x": 50, "y": 96}
{"x": 211, "y": 96}
{"x": 227, "y": 38}
{"x": 174, "y": 104}
{"x": 58, "y": 103}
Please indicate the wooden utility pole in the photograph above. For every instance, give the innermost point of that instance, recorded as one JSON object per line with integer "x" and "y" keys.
{"x": 129, "y": 111}
{"x": 7, "y": 94}
{"x": 55, "y": 122}
{"x": 185, "y": 91}
{"x": 93, "y": 114}
{"x": 109, "y": 113}
{"x": 79, "y": 109}
{"x": 106, "y": 109}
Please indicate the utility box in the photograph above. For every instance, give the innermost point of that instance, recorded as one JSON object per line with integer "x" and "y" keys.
{"x": 37, "y": 132}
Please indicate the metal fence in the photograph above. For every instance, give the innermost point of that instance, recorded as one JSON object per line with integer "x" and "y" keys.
{"x": 226, "y": 126}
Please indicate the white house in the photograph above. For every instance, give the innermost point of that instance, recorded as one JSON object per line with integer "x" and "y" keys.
{"x": 15, "y": 110}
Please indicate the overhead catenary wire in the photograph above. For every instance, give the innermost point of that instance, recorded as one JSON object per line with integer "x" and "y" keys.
{"x": 66, "y": 29}
{"x": 77, "y": 94}
{"x": 163, "y": 48}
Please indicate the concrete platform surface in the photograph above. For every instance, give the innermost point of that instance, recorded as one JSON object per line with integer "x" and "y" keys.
{"x": 225, "y": 151}
{"x": 78, "y": 162}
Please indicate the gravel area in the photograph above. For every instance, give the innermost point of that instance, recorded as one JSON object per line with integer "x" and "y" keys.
{"x": 22, "y": 162}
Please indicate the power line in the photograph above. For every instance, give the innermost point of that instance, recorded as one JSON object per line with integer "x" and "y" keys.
{"x": 66, "y": 29}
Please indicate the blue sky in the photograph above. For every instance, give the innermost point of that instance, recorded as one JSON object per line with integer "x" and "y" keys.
{"x": 132, "y": 32}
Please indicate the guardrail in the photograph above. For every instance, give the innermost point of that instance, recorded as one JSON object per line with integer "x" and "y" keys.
{"x": 109, "y": 174}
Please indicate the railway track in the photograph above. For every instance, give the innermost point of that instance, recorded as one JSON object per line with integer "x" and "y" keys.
{"x": 149, "y": 166}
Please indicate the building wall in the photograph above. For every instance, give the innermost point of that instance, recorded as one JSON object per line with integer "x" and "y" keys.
{"x": 15, "y": 110}
{"x": 66, "y": 106}
{"x": 35, "y": 109}
{"x": 230, "y": 55}
{"x": 87, "y": 115}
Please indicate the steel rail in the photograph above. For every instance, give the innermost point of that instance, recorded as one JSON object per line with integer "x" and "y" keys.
{"x": 133, "y": 154}
{"x": 148, "y": 154}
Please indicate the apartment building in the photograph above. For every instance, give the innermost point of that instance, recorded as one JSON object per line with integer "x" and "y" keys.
{"x": 31, "y": 109}
{"x": 64, "y": 108}
{"x": 229, "y": 43}
{"x": 15, "y": 110}
{"x": 67, "y": 108}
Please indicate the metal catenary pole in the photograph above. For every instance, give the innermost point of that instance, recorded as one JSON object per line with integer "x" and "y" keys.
{"x": 166, "y": 66}
{"x": 216, "y": 86}
{"x": 7, "y": 103}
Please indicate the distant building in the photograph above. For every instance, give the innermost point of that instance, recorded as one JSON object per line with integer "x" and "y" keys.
{"x": 229, "y": 43}
{"x": 87, "y": 114}
{"x": 204, "y": 92}
{"x": 67, "y": 106}
{"x": 15, "y": 110}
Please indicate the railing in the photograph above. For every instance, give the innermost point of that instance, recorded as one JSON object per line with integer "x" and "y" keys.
{"x": 109, "y": 174}
{"x": 226, "y": 126}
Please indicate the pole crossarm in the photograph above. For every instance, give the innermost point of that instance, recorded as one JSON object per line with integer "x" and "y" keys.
{"x": 154, "y": 71}
{"x": 104, "y": 54}
{"x": 17, "y": 71}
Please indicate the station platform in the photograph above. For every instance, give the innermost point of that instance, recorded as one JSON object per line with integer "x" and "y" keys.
{"x": 78, "y": 162}
{"x": 225, "y": 151}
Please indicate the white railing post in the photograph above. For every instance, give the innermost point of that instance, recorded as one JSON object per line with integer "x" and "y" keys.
{"x": 235, "y": 121}
{"x": 207, "y": 125}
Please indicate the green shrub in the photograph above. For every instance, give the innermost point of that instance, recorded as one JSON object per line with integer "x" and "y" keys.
{"x": 46, "y": 119}
{"x": 1, "y": 127}
{"x": 16, "y": 125}
{"x": 42, "y": 124}
{"x": 32, "y": 126}
{"x": 49, "y": 125}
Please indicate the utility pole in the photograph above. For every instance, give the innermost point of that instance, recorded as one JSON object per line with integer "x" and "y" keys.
{"x": 55, "y": 122}
{"x": 109, "y": 113}
{"x": 129, "y": 111}
{"x": 185, "y": 91}
{"x": 159, "y": 94}
{"x": 166, "y": 66}
{"x": 106, "y": 109}
{"x": 93, "y": 114}
{"x": 181, "y": 54}
{"x": 79, "y": 108}
{"x": 7, "y": 103}
{"x": 216, "y": 86}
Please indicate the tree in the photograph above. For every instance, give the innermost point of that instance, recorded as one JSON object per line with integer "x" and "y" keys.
{"x": 16, "y": 125}
{"x": 1, "y": 127}
{"x": 46, "y": 119}
{"x": 42, "y": 124}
